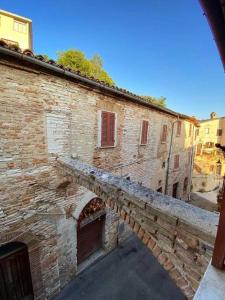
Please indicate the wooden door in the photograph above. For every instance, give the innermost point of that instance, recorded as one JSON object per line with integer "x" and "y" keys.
{"x": 175, "y": 189}
{"x": 15, "y": 276}
{"x": 89, "y": 238}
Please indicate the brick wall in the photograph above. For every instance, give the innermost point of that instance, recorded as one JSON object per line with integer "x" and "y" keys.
{"x": 43, "y": 117}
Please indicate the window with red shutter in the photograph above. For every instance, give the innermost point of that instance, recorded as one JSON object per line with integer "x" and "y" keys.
{"x": 176, "y": 161}
{"x": 144, "y": 132}
{"x": 190, "y": 130}
{"x": 164, "y": 134}
{"x": 196, "y": 133}
{"x": 178, "y": 128}
{"x": 107, "y": 129}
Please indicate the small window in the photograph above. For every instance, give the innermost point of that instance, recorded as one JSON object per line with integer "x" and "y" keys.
{"x": 219, "y": 132}
{"x": 19, "y": 26}
{"x": 190, "y": 130}
{"x": 176, "y": 161}
{"x": 108, "y": 120}
{"x": 185, "y": 184}
{"x": 196, "y": 133}
{"x": 206, "y": 130}
{"x": 179, "y": 128}
{"x": 164, "y": 134}
{"x": 144, "y": 132}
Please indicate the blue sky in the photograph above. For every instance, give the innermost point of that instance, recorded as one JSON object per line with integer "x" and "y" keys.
{"x": 150, "y": 47}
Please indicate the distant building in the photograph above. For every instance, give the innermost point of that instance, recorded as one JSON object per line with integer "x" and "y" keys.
{"x": 16, "y": 30}
{"x": 209, "y": 160}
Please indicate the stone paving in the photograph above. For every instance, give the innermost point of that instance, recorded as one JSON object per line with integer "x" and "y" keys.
{"x": 128, "y": 272}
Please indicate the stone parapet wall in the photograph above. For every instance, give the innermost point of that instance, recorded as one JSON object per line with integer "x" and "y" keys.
{"x": 180, "y": 235}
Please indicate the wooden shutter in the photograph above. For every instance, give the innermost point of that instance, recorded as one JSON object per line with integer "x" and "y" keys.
{"x": 178, "y": 128}
{"x": 190, "y": 129}
{"x": 199, "y": 149}
{"x": 219, "y": 132}
{"x": 107, "y": 129}
{"x": 176, "y": 161}
{"x": 164, "y": 133}
{"x": 144, "y": 132}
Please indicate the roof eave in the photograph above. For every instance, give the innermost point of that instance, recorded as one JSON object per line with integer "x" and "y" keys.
{"x": 215, "y": 13}
{"x": 86, "y": 81}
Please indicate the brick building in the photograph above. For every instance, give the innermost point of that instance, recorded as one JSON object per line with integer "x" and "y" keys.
{"x": 47, "y": 112}
{"x": 209, "y": 162}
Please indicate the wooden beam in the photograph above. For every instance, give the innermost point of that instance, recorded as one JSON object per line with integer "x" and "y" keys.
{"x": 219, "y": 247}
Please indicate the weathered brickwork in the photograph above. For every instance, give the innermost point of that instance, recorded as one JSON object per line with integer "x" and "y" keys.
{"x": 179, "y": 235}
{"x": 43, "y": 117}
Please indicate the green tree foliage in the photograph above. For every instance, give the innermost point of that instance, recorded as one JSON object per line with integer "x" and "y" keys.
{"x": 161, "y": 101}
{"x": 77, "y": 61}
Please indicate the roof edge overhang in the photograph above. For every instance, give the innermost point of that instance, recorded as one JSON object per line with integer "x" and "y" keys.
{"x": 18, "y": 17}
{"x": 215, "y": 13}
{"x": 9, "y": 54}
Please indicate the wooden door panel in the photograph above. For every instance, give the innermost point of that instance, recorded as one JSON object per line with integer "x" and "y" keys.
{"x": 15, "y": 277}
{"x": 89, "y": 239}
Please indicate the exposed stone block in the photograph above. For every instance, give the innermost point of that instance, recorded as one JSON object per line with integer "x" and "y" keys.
{"x": 151, "y": 244}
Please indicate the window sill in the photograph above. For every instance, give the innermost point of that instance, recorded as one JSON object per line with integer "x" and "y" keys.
{"x": 106, "y": 147}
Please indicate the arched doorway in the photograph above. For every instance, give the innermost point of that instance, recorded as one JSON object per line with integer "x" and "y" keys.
{"x": 15, "y": 276}
{"x": 90, "y": 229}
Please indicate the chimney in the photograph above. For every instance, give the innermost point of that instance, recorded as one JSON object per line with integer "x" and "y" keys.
{"x": 213, "y": 115}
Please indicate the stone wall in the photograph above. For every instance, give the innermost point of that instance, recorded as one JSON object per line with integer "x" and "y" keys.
{"x": 180, "y": 235}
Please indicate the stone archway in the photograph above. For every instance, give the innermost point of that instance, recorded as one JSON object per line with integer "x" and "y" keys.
{"x": 90, "y": 229}
{"x": 82, "y": 203}
{"x": 108, "y": 221}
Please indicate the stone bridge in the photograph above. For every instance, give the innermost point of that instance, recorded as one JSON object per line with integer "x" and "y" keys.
{"x": 180, "y": 235}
